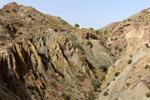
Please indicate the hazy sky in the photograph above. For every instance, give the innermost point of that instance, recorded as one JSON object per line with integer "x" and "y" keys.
{"x": 87, "y": 13}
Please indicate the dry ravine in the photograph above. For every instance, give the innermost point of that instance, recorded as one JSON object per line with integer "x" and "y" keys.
{"x": 42, "y": 57}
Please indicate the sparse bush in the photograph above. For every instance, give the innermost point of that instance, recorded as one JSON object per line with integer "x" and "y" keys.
{"x": 20, "y": 33}
{"x": 108, "y": 84}
{"x": 148, "y": 94}
{"x": 77, "y": 25}
{"x": 148, "y": 85}
{"x": 81, "y": 78}
{"x": 129, "y": 19}
{"x": 117, "y": 73}
{"x": 64, "y": 22}
{"x": 128, "y": 84}
{"x": 7, "y": 11}
{"x": 91, "y": 96}
{"x": 91, "y": 28}
{"x": 147, "y": 66}
{"x": 130, "y": 61}
{"x": 116, "y": 48}
{"x": 31, "y": 33}
{"x": 97, "y": 32}
{"x": 105, "y": 32}
{"x": 65, "y": 96}
{"x": 109, "y": 45}
{"x": 104, "y": 68}
{"x": 29, "y": 16}
{"x": 89, "y": 43}
{"x": 30, "y": 87}
{"x": 95, "y": 85}
{"x": 52, "y": 84}
{"x": 105, "y": 93}
{"x": 55, "y": 30}
{"x": 116, "y": 38}
{"x": 103, "y": 77}
{"x": 79, "y": 47}
{"x": 120, "y": 50}
{"x": 147, "y": 45}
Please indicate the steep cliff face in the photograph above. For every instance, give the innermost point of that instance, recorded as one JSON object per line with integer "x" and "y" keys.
{"x": 44, "y": 58}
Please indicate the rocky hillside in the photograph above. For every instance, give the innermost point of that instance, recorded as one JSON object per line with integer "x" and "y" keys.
{"x": 129, "y": 77}
{"x": 42, "y": 57}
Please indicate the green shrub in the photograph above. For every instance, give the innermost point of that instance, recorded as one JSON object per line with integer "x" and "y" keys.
{"x": 20, "y": 33}
{"x": 91, "y": 96}
{"x": 65, "y": 96}
{"x": 31, "y": 33}
{"x": 95, "y": 85}
{"x": 148, "y": 94}
{"x": 117, "y": 73}
{"x": 105, "y": 93}
{"x": 103, "y": 78}
{"x": 104, "y": 68}
{"x": 77, "y": 25}
{"x": 116, "y": 38}
{"x": 52, "y": 84}
{"x": 129, "y": 19}
{"x": 7, "y": 11}
{"x": 120, "y": 50}
{"x": 109, "y": 45}
{"x": 147, "y": 45}
{"x": 130, "y": 61}
{"x": 81, "y": 78}
{"x": 105, "y": 32}
{"x": 55, "y": 30}
{"x": 108, "y": 84}
{"x": 79, "y": 47}
{"x": 64, "y": 22}
{"x": 29, "y": 16}
{"x": 31, "y": 87}
{"x": 97, "y": 32}
{"x": 116, "y": 48}
{"x": 89, "y": 43}
{"x": 147, "y": 66}
{"x": 91, "y": 28}
{"x": 128, "y": 84}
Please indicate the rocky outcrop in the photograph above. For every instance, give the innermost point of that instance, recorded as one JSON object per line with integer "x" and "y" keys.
{"x": 44, "y": 66}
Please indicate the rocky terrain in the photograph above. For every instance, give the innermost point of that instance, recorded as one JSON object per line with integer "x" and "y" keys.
{"x": 129, "y": 77}
{"x": 42, "y": 57}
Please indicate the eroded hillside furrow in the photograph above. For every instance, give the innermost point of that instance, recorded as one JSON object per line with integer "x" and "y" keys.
{"x": 43, "y": 68}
